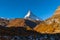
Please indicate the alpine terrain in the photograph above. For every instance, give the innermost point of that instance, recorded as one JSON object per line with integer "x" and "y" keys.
{"x": 31, "y": 27}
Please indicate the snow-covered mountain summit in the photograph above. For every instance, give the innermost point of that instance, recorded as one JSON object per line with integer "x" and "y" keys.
{"x": 31, "y": 16}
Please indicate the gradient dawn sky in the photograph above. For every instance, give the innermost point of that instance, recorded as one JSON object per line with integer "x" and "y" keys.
{"x": 18, "y": 8}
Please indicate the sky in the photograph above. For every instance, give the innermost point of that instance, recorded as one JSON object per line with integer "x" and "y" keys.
{"x": 19, "y": 8}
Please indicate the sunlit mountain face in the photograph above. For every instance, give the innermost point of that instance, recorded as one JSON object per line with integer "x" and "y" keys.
{"x": 31, "y": 27}
{"x": 50, "y": 25}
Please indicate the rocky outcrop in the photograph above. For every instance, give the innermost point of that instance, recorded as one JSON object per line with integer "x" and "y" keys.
{"x": 3, "y": 22}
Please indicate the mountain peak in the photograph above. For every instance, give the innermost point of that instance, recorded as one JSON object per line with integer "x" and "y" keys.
{"x": 28, "y": 14}
{"x": 31, "y": 16}
{"x": 57, "y": 11}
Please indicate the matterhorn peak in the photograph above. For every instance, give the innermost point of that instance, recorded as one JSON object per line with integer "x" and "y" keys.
{"x": 28, "y": 14}
{"x": 31, "y": 16}
{"x": 57, "y": 11}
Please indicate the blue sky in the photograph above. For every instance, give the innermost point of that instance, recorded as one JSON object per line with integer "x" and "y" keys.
{"x": 18, "y": 8}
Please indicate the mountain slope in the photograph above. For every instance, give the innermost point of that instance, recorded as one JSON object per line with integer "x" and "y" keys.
{"x": 51, "y": 25}
{"x": 18, "y": 22}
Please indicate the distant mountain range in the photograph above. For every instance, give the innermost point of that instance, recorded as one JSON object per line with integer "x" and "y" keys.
{"x": 32, "y": 22}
